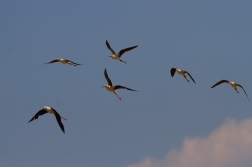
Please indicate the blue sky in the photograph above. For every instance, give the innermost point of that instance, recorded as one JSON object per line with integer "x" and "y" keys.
{"x": 210, "y": 40}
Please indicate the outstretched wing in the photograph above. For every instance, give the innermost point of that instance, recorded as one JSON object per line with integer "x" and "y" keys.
{"x": 190, "y": 77}
{"x": 73, "y": 63}
{"x": 220, "y": 82}
{"x": 108, "y": 46}
{"x": 243, "y": 90}
{"x": 53, "y": 61}
{"x": 123, "y": 87}
{"x": 59, "y": 122}
{"x": 40, "y": 112}
{"x": 126, "y": 50}
{"x": 107, "y": 78}
{"x": 173, "y": 70}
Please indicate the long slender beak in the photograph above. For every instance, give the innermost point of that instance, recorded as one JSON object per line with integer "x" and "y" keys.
{"x": 102, "y": 86}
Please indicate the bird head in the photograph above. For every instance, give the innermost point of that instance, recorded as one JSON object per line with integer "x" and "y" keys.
{"x": 104, "y": 86}
{"x": 46, "y": 107}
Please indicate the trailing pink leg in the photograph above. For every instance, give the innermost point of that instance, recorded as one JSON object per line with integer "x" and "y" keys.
{"x": 117, "y": 96}
{"x": 63, "y": 118}
{"x": 186, "y": 79}
{"x": 123, "y": 61}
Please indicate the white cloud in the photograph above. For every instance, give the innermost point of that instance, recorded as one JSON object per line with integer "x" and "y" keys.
{"x": 228, "y": 146}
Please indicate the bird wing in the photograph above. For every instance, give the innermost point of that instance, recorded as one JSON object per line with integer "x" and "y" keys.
{"x": 107, "y": 78}
{"x": 220, "y": 82}
{"x": 58, "y": 120}
{"x": 173, "y": 70}
{"x": 108, "y": 46}
{"x": 40, "y": 112}
{"x": 243, "y": 90}
{"x": 73, "y": 63}
{"x": 190, "y": 77}
{"x": 123, "y": 87}
{"x": 126, "y": 50}
{"x": 53, "y": 61}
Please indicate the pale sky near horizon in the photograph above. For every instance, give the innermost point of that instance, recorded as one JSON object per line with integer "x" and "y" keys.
{"x": 169, "y": 122}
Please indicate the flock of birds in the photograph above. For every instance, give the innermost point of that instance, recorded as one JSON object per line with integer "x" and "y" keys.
{"x": 109, "y": 86}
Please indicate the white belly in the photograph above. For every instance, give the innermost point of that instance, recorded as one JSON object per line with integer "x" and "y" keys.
{"x": 110, "y": 89}
{"x": 64, "y": 61}
{"x": 181, "y": 72}
{"x": 49, "y": 111}
{"x": 115, "y": 57}
{"x": 233, "y": 85}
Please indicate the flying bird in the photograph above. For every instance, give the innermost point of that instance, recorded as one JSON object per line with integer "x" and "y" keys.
{"x": 112, "y": 88}
{"x": 63, "y": 61}
{"x": 119, "y": 55}
{"x": 233, "y": 84}
{"x": 181, "y": 72}
{"x": 50, "y": 110}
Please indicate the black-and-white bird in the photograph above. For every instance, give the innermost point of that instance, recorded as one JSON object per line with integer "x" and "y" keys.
{"x": 112, "y": 88}
{"x": 181, "y": 72}
{"x": 50, "y": 110}
{"x": 119, "y": 55}
{"x": 63, "y": 61}
{"x": 233, "y": 84}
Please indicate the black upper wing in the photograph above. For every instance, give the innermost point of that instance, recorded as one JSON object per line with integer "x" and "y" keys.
{"x": 123, "y": 87}
{"x": 220, "y": 82}
{"x": 40, "y": 112}
{"x": 173, "y": 70}
{"x": 243, "y": 90}
{"x": 73, "y": 63}
{"x": 126, "y": 50}
{"x": 107, "y": 78}
{"x": 108, "y": 46}
{"x": 53, "y": 61}
{"x": 191, "y": 77}
{"x": 58, "y": 120}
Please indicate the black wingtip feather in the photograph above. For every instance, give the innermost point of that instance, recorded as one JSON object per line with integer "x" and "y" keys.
{"x": 173, "y": 70}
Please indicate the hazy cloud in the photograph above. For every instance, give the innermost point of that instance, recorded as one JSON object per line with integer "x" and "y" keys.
{"x": 230, "y": 145}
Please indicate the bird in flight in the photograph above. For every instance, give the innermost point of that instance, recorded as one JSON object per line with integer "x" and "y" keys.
{"x": 50, "y": 110}
{"x": 63, "y": 61}
{"x": 181, "y": 72}
{"x": 233, "y": 84}
{"x": 119, "y": 55}
{"x": 112, "y": 88}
